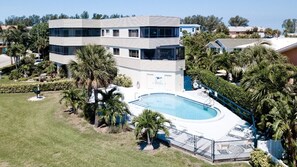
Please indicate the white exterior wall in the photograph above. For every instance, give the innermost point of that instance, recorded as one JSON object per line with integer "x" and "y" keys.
{"x": 151, "y": 74}
{"x": 155, "y": 80}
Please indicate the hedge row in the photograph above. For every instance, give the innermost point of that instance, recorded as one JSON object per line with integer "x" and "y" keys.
{"x": 28, "y": 87}
{"x": 225, "y": 88}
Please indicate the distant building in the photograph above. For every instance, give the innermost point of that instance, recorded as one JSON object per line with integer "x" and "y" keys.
{"x": 189, "y": 28}
{"x": 285, "y": 46}
{"x": 229, "y": 44}
{"x": 3, "y": 47}
{"x": 240, "y": 30}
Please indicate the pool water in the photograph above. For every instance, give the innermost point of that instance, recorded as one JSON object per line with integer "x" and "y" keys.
{"x": 176, "y": 106}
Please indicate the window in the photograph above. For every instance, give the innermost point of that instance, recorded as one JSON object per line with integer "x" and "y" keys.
{"x": 193, "y": 29}
{"x": 159, "y": 32}
{"x": 107, "y": 31}
{"x": 102, "y": 33}
{"x": 116, "y": 51}
{"x": 64, "y": 50}
{"x": 116, "y": 33}
{"x": 133, "y": 53}
{"x": 180, "y": 30}
{"x": 133, "y": 33}
{"x": 74, "y": 32}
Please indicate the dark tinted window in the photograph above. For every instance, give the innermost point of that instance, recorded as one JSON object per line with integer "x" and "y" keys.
{"x": 74, "y": 32}
{"x": 159, "y": 32}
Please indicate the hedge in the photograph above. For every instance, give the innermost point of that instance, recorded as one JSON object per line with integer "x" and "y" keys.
{"x": 28, "y": 87}
{"x": 225, "y": 88}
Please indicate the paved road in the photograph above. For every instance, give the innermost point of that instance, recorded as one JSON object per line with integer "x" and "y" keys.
{"x": 4, "y": 60}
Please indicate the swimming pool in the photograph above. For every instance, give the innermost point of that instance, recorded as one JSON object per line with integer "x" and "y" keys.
{"x": 177, "y": 106}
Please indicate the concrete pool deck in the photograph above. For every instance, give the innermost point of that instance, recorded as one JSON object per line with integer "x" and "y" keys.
{"x": 216, "y": 129}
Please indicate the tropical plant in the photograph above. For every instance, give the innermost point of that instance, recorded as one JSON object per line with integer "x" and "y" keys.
{"x": 273, "y": 98}
{"x": 122, "y": 80}
{"x": 113, "y": 110}
{"x": 73, "y": 98}
{"x": 284, "y": 124}
{"x": 238, "y": 21}
{"x": 39, "y": 38}
{"x": 148, "y": 123}
{"x": 95, "y": 68}
{"x": 256, "y": 54}
{"x": 289, "y": 25}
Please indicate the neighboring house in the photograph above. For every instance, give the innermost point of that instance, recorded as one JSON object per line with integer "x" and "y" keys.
{"x": 146, "y": 48}
{"x": 240, "y": 30}
{"x": 189, "y": 28}
{"x": 229, "y": 44}
{"x": 3, "y": 47}
{"x": 285, "y": 46}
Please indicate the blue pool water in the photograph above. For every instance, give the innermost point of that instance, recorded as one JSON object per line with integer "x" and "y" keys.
{"x": 176, "y": 106}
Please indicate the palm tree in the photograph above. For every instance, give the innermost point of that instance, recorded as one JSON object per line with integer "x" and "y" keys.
{"x": 113, "y": 110}
{"x": 73, "y": 98}
{"x": 94, "y": 68}
{"x": 148, "y": 123}
{"x": 274, "y": 101}
{"x": 256, "y": 54}
{"x": 284, "y": 124}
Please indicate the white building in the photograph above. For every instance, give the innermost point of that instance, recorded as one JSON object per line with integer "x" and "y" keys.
{"x": 189, "y": 28}
{"x": 146, "y": 48}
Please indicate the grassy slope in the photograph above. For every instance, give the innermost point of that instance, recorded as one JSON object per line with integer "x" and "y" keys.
{"x": 37, "y": 134}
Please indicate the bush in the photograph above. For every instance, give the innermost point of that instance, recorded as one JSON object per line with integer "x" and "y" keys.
{"x": 260, "y": 159}
{"x": 28, "y": 87}
{"x": 123, "y": 80}
{"x": 14, "y": 75}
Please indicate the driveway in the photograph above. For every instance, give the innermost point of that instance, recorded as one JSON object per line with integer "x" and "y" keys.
{"x": 4, "y": 60}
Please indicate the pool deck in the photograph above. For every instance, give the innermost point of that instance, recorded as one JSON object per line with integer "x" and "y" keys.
{"x": 215, "y": 129}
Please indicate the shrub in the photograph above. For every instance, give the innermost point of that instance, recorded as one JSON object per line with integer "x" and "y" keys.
{"x": 123, "y": 80}
{"x": 15, "y": 74}
{"x": 28, "y": 87}
{"x": 260, "y": 159}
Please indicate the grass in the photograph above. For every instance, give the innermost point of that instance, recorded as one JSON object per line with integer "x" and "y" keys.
{"x": 41, "y": 134}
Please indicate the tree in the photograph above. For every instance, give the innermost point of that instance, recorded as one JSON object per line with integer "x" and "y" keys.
{"x": 284, "y": 124}
{"x": 99, "y": 16}
{"x": 221, "y": 28}
{"x": 113, "y": 110}
{"x": 289, "y": 25}
{"x": 84, "y": 15}
{"x": 208, "y": 23}
{"x": 73, "y": 98}
{"x": 95, "y": 68}
{"x": 39, "y": 38}
{"x": 196, "y": 51}
{"x": 273, "y": 98}
{"x": 256, "y": 54}
{"x": 238, "y": 21}
{"x": 148, "y": 123}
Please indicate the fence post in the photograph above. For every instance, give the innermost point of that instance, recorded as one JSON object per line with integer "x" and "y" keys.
{"x": 212, "y": 150}
{"x": 254, "y": 131}
{"x": 195, "y": 144}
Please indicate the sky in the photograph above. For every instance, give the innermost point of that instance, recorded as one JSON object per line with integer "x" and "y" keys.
{"x": 264, "y": 13}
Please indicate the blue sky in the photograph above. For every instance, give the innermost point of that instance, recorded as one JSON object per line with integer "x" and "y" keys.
{"x": 259, "y": 12}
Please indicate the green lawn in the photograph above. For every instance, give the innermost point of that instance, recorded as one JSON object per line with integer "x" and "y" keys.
{"x": 41, "y": 134}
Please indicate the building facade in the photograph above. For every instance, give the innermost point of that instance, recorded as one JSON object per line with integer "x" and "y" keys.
{"x": 146, "y": 48}
{"x": 189, "y": 28}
